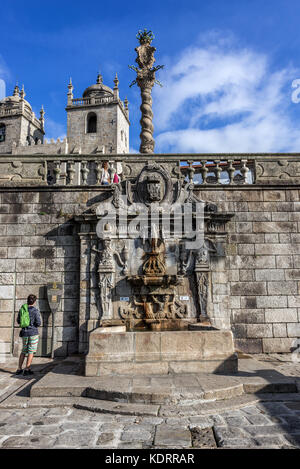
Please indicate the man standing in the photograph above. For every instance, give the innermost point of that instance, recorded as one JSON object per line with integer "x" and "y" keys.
{"x": 29, "y": 336}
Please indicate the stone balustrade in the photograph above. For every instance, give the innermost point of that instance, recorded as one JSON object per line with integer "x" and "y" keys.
{"x": 199, "y": 169}
{"x": 8, "y": 112}
{"x": 92, "y": 101}
{"x": 81, "y": 101}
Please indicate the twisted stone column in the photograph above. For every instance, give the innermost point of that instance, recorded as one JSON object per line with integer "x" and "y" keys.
{"x": 145, "y": 80}
{"x": 146, "y": 135}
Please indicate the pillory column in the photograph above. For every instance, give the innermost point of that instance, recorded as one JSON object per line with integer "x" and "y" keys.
{"x": 145, "y": 81}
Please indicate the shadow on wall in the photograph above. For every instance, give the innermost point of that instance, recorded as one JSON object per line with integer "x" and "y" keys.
{"x": 62, "y": 265}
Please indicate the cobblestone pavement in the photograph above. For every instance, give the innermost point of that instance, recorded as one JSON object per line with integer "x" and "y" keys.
{"x": 264, "y": 425}
{"x": 270, "y": 424}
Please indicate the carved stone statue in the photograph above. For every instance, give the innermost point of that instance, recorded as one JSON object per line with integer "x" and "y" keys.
{"x": 147, "y": 306}
{"x": 166, "y": 307}
{"x": 201, "y": 281}
{"x": 105, "y": 272}
{"x": 105, "y": 254}
{"x": 106, "y": 285}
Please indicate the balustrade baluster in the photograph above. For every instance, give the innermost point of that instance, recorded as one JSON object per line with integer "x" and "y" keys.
{"x": 218, "y": 171}
{"x": 57, "y": 172}
{"x": 191, "y": 172}
{"x": 204, "y": 172}
{"x": 71, "y": 172}
{"x": 244, "y": 170}
{"x": 84, "y": 172}
{"x": 98, "y": 172}
{"x": 231, "y": 171}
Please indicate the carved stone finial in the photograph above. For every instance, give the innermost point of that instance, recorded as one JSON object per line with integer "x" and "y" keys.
{"x": 116, "y": 81}
{"x": 16, "y": 90}
{"x": 70, "y": 92}
{"x": 99, "y": 79}
{"x": 22, "y": 93}
{"x": 145, "y": 81}
{"x": 42, "y": 114}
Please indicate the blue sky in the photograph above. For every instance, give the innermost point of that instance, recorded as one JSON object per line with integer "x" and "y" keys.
{"x": 229, "y": 66}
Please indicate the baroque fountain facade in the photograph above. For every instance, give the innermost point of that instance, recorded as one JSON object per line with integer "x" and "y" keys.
{"x": 146, "y": 254}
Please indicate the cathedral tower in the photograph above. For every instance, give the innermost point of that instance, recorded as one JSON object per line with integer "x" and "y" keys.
{"x": 18, "y": 124}
{"x": 98, "y": 121}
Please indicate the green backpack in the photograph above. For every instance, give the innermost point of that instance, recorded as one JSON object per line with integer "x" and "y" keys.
{"x": 24, "y": 316}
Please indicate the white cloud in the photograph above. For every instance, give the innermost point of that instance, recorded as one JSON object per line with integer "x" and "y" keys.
{"x": 4, "y": 75}
{"x": 225, "y": 99}
{"x": 133, "y": 150}
{"x": 54, "y": 129}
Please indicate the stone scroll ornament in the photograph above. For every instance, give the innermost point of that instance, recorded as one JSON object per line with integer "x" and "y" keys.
{"x": 145, "y": 80}
{"x": 105, "y": 273}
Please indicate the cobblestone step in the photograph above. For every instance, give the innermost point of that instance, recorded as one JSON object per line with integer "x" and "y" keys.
{"x": 109, "y": 407}
{"x": 169, "y": 389}
{"x": 179, "y": 389}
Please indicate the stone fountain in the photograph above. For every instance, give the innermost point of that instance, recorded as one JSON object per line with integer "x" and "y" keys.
{"x": 150, "y": 271}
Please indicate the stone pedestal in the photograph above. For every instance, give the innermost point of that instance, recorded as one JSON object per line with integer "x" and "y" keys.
{"x": 115, "y": 351}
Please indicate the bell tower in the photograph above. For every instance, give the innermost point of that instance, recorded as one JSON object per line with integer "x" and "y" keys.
{"x": 99, "y": 120}
{"x": 18, "y": 123}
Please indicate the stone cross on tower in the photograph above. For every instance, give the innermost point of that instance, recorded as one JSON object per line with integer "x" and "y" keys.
{"x": 145, "y": 81}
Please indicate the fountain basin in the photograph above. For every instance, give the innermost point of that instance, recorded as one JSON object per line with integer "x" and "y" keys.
{"x": 155, "y": 280}
{"x": 115, "y": 351}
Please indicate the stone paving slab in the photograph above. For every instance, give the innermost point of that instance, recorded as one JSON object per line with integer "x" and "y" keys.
{"x": 253, "y": 377}
{"x": 73, "y": 428}
{"x": 203, "y": 438}
{"x": 260, "y": 420}
{"x": 166, "y": 435}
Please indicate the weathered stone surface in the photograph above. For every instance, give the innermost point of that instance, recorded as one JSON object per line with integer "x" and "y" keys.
{"x": 249, "y": 288}
{"x": 257, "y": 419}
{"x": 279, "y": 330}
{"x": 30, "y": 265}
{"x": 6, "y": 292}
{"x": 268, "y": 255}
{"x": 198, "y": 347}
{"x": 264, "y": 430}
{"x": 203, "y": 438}
{"x": 274, "y": 227}
{"x": 140, "y": 435}
{"x": 282, "y": 288}
{"x": 269, "y": 274}
{"x": 249, "y": 345}
{"x": 259, "y": 330}
{"x": 272, "y": 301}
{"x": 170, "y": 435}
{"x": 277, "y": 345}
{"x": 105, "y": 438}
{"x": 71, "y": 439}
{"x": 281, "y": 315}
{"x": 28, "y": 442}
{"x": 293, "y": 330}
{"x": 224, "y": 433}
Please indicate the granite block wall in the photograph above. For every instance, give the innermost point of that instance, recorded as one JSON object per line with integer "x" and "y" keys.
{"x": 255, "y": 290}
{"x": 263, "y": 265}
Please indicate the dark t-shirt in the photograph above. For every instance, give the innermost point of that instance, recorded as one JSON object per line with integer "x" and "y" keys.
{"x": 35, "y": 322}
